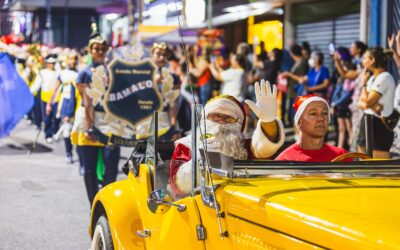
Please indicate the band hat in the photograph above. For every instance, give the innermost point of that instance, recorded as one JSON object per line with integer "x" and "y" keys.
{"x": 51, "y": 59}
{"x": 159, "y": 45}
{"x": 96, "y": 38}
{"x": 227, "y": 105}
{"x": 301, "y": 103}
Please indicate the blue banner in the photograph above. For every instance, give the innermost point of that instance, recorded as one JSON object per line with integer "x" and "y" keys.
{"x": 15, "y": 98}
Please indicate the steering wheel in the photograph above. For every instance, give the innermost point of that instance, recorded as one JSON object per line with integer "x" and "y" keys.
{"x": 350, "y": 155}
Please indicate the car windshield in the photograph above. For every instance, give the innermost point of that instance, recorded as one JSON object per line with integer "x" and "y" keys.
{"x": 227, "y": 166}
{"x": 365, "y": 168}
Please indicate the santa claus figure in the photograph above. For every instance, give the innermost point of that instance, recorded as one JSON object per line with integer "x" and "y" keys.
{"x": 224, "y": 119}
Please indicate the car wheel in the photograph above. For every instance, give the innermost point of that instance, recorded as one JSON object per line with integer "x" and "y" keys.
{"x": 102, "y": 239}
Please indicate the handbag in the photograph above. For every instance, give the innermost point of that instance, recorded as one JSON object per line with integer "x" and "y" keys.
{"x": 391, "y": 121}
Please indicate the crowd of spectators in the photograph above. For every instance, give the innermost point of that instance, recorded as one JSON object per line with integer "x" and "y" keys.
{"x": 350, "y": 86}
{"x": 359, "y": 83}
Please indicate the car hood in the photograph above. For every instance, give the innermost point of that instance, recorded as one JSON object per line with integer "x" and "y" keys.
{"x": 332, "y": 213}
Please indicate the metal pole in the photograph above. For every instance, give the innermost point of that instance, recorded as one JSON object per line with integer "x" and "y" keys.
{"x": 194, "y": 146}
{"x": 66, "y": 17}
{"x": 48, "y": 33}
{"x": 1, "y": 22}
{"x": 48, "y": 14}
{"x": 183, "y": 13}
{"x": 369, "y": 138}
{"x": 131, "y": 20}
{"x": 209, "y": 14}
{"x": 155, "y": 140}
{"x": 35, "y": 141}
{"x": 141, "y": 9}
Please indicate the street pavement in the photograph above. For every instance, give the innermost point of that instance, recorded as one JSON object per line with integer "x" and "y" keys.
{"x": 43, "y": 203}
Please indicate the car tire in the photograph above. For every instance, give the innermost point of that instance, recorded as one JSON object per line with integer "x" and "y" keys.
{"x": 102, "y": 239}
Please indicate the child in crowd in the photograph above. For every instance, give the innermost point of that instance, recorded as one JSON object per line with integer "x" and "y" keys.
{"x": 68, "y": 103}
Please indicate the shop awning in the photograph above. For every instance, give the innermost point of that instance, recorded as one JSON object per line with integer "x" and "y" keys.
{"x": 147, "y": 32}
{"x": 240, "y": 12}
{"x": 118, "y": 7}
{"x": 174, "y": 37}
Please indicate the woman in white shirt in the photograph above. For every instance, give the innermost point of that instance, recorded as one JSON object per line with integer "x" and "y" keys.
{"x": 233, "y": 79}
{"x": 377, "y": 98}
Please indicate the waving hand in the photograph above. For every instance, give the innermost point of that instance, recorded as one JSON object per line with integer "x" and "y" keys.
{"x": 265, "y": 106}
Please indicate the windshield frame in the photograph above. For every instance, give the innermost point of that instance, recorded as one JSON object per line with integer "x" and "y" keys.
{"x": 371, "y": 168}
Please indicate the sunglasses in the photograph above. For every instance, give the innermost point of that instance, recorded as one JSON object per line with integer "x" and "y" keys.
{"x": 222, "y": 118}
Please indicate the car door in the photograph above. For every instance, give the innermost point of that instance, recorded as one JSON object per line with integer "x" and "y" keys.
{"x": 176, "y": 229}
{"x": 173, "y": 224}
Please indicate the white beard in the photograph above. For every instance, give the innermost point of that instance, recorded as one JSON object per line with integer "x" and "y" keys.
{"x": 227, "y": 139}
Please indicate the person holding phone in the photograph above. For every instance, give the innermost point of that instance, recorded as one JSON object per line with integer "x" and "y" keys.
{"x": 357, "y": 50}
{"x": 213, "y": 59}
{"x": 233, "y": 79}
{"x": 341, "y": 99}
{"x": 202, "y": 72}
{"x": 332, "y": 49}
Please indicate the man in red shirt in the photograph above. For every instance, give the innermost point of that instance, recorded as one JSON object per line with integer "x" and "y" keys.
{"x": 312, "y": 119}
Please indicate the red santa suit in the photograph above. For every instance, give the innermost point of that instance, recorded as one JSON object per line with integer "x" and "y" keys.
{"x": 258, "y": 147}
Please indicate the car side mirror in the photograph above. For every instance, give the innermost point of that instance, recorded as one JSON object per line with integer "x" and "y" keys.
{"x": 160, "y": 201}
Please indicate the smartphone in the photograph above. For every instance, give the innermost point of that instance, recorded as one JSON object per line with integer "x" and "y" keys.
{"x": 213, "y": 58}
{"x": 332, "y": 48}
{"x": 255, "y": 41}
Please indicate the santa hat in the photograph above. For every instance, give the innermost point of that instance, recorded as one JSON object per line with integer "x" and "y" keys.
{"x": 301, "y": 103}
{"x": 227, "y": 105}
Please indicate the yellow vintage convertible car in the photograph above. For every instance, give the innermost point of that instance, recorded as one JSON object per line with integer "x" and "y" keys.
{"x": 250, "y": 205}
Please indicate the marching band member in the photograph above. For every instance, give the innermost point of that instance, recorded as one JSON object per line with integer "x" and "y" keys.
{"x": 29, "y": 75}
{"x": 46, "y": 82}
{"x": 88, "y": 116}
{"x": 68, "y": 102}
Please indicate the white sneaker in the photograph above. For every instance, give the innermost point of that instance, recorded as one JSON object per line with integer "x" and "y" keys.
{"x": 49, "y": 140}
{"x": 56, "y": 138}
{"x": 69, "y": 160}
{"x": 81, "y": 170}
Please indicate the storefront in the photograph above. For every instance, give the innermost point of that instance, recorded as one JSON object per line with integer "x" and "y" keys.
{"x": 322, "y": 23}
{"x": 242, "y": 22}
{"x": 269, "y": 32}
{"x": 20, "y": 27}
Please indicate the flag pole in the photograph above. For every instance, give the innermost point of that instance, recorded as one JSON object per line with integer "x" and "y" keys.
{"x": 35, "y": 141}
